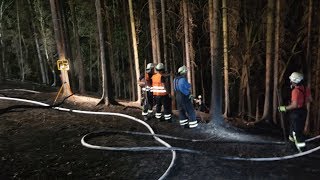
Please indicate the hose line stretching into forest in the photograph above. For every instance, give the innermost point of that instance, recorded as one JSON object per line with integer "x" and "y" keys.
{"x": 168, "y": 147}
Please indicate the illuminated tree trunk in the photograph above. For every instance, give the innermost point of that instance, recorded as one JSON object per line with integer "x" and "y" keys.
{"x": 59, "y": 36}
{"x": 44, "y": 37}
{"x": 35, "y": 36}
{"x": 104, "y": 97}
{"x": 135, "y": 49}
{"x": 266, "y": 109}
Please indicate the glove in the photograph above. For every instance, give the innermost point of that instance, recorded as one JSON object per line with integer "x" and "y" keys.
{"x": 282, "y": 109}
{"x": 191, "y": 98}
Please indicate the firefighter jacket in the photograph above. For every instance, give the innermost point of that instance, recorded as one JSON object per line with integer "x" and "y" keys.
{"x": 158, "y": 85}
{"x": 181, "y": 84}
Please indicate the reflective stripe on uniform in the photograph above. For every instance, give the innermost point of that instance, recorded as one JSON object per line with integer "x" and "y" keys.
{"x": 158, "y": 115}
{"x": 193, "y": 124}
{"x": 167, "y": 116}
{"x": 158, "y": 89}
{"x": 144, "y": 113}
{"x": 150, "y": 111}
{"x": 146, "y": 88}
{"x": 183, "y": 122}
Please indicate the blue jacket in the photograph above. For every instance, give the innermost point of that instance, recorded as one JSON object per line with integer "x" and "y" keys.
{"x": 181, "y": 84}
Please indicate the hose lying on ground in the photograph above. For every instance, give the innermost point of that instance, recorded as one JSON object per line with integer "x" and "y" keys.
{"x": 165, "y": 174}
{"x": 156, "y": 137}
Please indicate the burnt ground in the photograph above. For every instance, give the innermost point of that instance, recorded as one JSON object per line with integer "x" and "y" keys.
{"x": 42, "y": 143}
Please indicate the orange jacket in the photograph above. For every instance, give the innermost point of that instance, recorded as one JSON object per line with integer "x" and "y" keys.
{"x": 158, "y": 87}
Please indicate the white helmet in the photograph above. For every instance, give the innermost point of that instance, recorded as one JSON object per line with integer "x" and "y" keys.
{"x": 182, "y": 70}
{"x": 149, "y": 67}
{"x": 296, "y": 77}
{"x": 160, "y": 66}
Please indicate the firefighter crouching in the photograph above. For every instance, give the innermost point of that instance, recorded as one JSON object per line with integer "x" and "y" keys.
{"x": 146, "y": 83}
{"x": 161, "y": 93}
{"x": 184, "y": 99}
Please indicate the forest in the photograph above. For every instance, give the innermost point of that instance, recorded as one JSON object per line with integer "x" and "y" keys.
{"x": 239, "y": 53}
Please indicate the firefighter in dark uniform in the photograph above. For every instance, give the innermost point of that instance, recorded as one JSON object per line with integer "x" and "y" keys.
{"x": 146, "y": 83}
{"x": 300, "y": 96}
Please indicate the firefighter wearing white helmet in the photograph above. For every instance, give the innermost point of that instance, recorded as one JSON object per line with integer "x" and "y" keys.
{"x": 160, "y": 89}
{"x": 300, "y": 96}
{"x": 187, "y": 115}
{"x": 296, "y": 77}
{"x": 146, "y": 83}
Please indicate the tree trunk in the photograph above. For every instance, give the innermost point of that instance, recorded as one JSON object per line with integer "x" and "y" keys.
{"x": 216, "y": 102}
{"x": 2, "y": 60}
{"x": 111, "y": 60}
{"x": 308, "y": 60}
{"x": 154, "y": 31}
{"x": 59, "y": 36}
{"x": 135, "y": 49}
{"x": 130, "y": 59}
{"x": 78, "y": 56}
{"x": 225, "y": 58}
{"x": 19, "y": 48}
{"x": 44, "y": 38}
{"x": 35, "y": 36}
{"x": 315, "y": 124}
{"x": 186, "y": 37}
{"x": 90, "y": 65}
{"x": 276, "y": 63}
{"x": 266, "y": 109}
{"x": 104, "y": 97}
{"x": 164, "y": 34}
{"x": 66, "y": 38}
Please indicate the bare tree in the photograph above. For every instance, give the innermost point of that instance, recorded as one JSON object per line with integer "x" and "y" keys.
{"x": 164, "y": 33}
{"x": 225, "y": 58}
{"x": 78, "y": 56}
{"x": 216, "y": 103}
{"x": 3, "y": 6}
{"x": 19, "y": 48}
{"x": 135, "y": 49}
{"x": 45, "y": 38}
{"x": 59, "y": 36}
{"x": 276, "y": 62}
{"x": 104, "y": 97}
{"x": 130, "y": 59}
{"x": 35, "y": 36}
{"x": 308, "y": 58}
{"x": 270, "y": 10}
{"x": 154, "y": 31}
{"x": 186, "y": 37}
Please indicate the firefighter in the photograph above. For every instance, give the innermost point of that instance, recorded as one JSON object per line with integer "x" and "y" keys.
{"x": 300, "y": 96}
{"x": 184, "y": 99}
{"x": 161, "y": 93}
{"x": 146, "y": 83}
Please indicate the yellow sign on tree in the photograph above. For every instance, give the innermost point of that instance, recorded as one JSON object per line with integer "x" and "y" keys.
{"x": 63, "y": 64}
